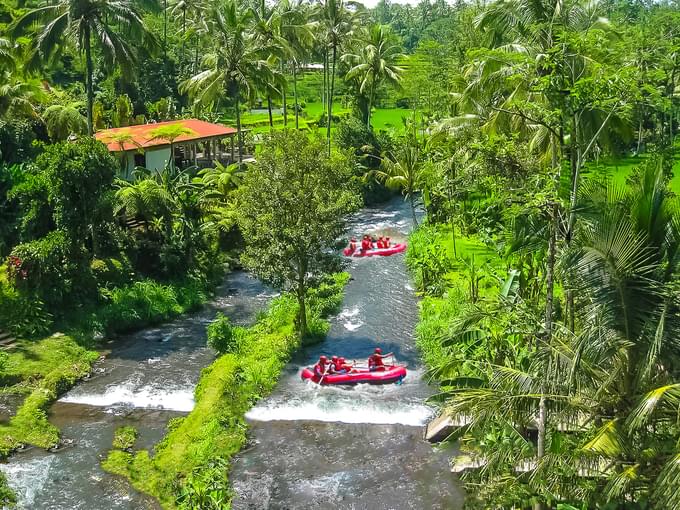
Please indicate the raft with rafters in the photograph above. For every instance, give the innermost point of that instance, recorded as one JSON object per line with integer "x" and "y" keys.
{"x": 386, "y": 375}
{"x": 382, "y": 252}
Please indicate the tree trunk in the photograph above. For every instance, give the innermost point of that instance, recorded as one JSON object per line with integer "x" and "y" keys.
{"x": 285, "y": 100}
{"x": 165, "y": 30}
{"x": 198, "y": 43}
{"x": 237, "y": 101}
{"x": 269, "y": 110}
{"x": 88, "y": 80}
{"x": 301, "y": 295}
{"x": 324, "y": 89}
{"x": 184, "y": 32}
{"x": 413, "y": 210}
{"x": 370, "y": 106}
{"x": 295, "y": 95}
{"x": 330, "y": 100}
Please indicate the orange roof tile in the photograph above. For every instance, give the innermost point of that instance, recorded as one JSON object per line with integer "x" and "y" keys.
{"x": 140, "y": 136}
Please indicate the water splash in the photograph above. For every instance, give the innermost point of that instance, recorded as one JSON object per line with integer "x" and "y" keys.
{"x": 180, "y": 398}
{"x": 28, "y": 478}
{"x": 346, "y": 410}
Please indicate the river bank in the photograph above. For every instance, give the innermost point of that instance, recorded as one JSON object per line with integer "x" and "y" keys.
{"x": 352, "y": 447}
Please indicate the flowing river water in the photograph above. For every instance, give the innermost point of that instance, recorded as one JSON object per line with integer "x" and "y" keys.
{"x": 352, "y": 447}
{"x": 148, "y": 378}
{"x": 341, "y": 448}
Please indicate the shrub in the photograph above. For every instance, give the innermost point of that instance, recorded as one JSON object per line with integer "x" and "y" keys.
{"x": 111, "y": 272}
{"x": 7, "y": 497}
{"x": 139, "y": 304}
{"x": 223, "y": 336}
{"x": 124, "y": 438}
{"x": 16, "y": 140}
{"x": 50, "y": 268}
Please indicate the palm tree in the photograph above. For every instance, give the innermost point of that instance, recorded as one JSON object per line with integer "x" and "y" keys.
{"x": 403, "y": 170}
{"x": 180, "y": 10}
{"x": 374, "y": 64}
{"x": 337, "y": 22}
{"x": 84, "y": 23}
{"x": 298, "y": 32}
{"x": 267, "y": 31}
{"x": 233, "y": 66}
{"x": 64, "y": 120}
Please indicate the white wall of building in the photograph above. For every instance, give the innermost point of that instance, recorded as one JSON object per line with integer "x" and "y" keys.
{"x": 157, "y": 159}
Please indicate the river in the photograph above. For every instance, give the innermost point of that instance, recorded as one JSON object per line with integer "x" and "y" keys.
{"x": 148, "y": 378}
{"x": 341, "y": 448}
{"x": 359, "y": 447}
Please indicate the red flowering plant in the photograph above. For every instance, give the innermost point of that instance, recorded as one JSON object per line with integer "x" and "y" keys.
{"x": 15, "y": 269}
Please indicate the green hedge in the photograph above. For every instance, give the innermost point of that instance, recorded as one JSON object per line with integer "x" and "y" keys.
{"x": 190, "y": 466}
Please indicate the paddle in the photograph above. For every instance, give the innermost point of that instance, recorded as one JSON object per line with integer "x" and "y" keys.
{"x": 325, "y": 373}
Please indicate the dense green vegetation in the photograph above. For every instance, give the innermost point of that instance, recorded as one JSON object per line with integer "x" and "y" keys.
{"x": 539, "y": 137}
{"x": 190, "y": 467}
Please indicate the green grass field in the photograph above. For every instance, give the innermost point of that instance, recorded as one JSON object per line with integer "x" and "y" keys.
{"x": 619, "y": 169}
{"x": 384, "y": 119}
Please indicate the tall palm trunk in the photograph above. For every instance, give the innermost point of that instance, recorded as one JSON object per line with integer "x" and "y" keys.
{"x": 370, "y": 104}
{"x": 239, "y": 133}
{"x": 165, "y": 30}
{"x": 324, "y": 89}
{"x": 295, "y": 95}
{"x": 88, "y": 80}
{"x": 269, "y": 110}
{"x": 330, "y": 100}
{"x": 285, "y": 99}
{"x": 184, "y": 32}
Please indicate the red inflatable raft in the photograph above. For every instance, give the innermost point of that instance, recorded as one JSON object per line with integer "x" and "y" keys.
{"x": 383, "y": 252}
{"x": 390, "y": 374}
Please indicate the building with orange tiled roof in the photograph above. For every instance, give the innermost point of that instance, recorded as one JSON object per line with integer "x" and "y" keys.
{"x": 200, "y": 143}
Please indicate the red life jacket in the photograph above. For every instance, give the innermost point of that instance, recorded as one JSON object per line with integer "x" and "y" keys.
{"x": 374, "y": 360}
{"x": 319, "y": 370}
{"x": 365, "y": 244}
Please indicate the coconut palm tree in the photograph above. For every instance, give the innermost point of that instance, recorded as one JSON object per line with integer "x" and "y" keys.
{"x": 403, "y": 170}
{"x": 234, "y": 64}
{"x": 180, "y": 10}
{"x": 85, "y": 23}
{"x": 298, "y": 31}
{"x": 374, "y": 64}
{"x": 611, "y": 384}
{"x": 337, "y": 22}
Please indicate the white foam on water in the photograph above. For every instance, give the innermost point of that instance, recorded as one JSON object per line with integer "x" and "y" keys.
{"x": 28, "y": 478}
{"x": 349, "y": 318}
{"x": 352, "y": 326}
{"x": 146, "y": 397}
{"x": 343, "y": 412}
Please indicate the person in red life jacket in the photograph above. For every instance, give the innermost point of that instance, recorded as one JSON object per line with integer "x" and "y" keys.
{"x": 375, "y": 360}
{"x": 365, "y": 243}
{"x": 334, "y": 366}
{"x": 381, "y": 242}
{"x": 321, "y": 367}
{"x": 386, "y": 242}
{"x": 353, "y": 245}
{"x": 342, "y": 367}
